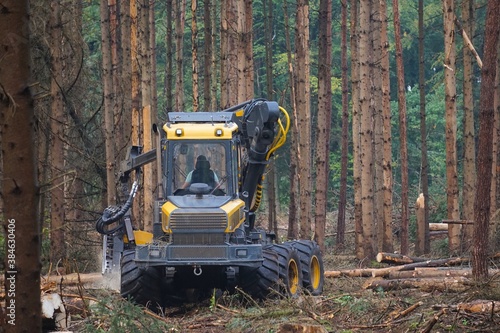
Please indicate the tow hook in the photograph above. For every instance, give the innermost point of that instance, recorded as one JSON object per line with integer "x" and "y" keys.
{"x": 197, "y": 270}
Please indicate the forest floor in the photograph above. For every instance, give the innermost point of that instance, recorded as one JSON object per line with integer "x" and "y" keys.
{"x": 345, "y": 306}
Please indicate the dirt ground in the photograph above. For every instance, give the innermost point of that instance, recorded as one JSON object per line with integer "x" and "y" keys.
{"x": 344, "y": 307}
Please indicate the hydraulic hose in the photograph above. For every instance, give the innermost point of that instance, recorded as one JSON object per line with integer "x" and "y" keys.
{"x": 113, "y": 214}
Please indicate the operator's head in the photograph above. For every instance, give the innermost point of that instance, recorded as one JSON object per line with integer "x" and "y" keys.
{"x": 201, "y": 158}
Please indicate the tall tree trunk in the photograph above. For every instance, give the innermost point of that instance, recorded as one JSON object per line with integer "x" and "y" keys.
{"x": 356, "y": 130}
{"x": 293, "y": 215}
{"x": 340, "y": 238}
{"x": 402, "y": 129}
{"x": 194, "y": 55}
{"x": 147, "y": 117}
{"x": 207, "y": 55}
{"x": 387, "y": 238}
{"x": 216, "y": 72}
{"x": 57, "y": 123}
{"x": 126, "y": 75}
{"x": 469, "y": 171}
{"x": 229, "y": 54}
{"x": 324, "y": 119}
{"x": 18, "y": 184}
{"x": 271, "y": 187}
{"x": 108, "y": 105}
{"x": 180, "y": 19}
{"x": 425, "y": 247}
{"x": 451, "y": 125}
{"x": 152, "y": 59}
{"x": 366, "y": 133}
{"x": 495, "y": 183}
{"x": 486, "y": 117}
{"x": 169, "y": 66}
{"x": 376, "y": 109}
{"x": 302, "y": 91}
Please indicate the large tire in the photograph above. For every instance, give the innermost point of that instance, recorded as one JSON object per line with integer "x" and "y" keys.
{"x": 141, "y": 284}
{"x": 290, "y": 272}
{"x": 259, "y": 282}
{"x": 311, "y": 262}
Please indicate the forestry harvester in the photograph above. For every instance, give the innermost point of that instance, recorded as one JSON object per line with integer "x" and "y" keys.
{"x": 210, "y": 168}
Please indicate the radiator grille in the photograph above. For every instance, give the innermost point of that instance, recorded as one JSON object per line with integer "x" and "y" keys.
{"x": 183, "y": 253}
{"x": 198, "y": 239}
{"x": 197, "y": 221}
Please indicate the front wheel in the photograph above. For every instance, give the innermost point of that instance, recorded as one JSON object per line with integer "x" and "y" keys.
{"x": 290, "y": 272}
{"x": 141, "y": 284}
{"x": 311, "y": 262}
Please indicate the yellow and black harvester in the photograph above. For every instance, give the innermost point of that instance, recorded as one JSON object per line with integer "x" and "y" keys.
{"x": 211, "y": 168}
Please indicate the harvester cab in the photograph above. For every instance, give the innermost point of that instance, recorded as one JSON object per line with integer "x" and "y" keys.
{"x": 211, "y": 168}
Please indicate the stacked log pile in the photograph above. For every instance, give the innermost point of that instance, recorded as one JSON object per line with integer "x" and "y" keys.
{"x": 450, "y": 274}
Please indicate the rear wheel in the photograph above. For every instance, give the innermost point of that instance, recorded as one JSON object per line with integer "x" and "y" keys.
{"x": 141, "y": 284}
{"x": 311, "y": 263}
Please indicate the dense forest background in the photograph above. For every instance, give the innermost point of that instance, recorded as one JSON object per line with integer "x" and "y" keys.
{"x": 91, "y": 60}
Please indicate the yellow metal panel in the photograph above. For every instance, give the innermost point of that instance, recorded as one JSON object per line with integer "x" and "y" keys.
{"x": 235, "y": 214}
{"x": 166, "y": 210}
{"x": 199, "y": 131}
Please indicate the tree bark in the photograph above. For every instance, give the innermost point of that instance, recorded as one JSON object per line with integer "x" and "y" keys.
{"x": 179, "y": 10}
{"x": 387, "y": 238}
{"x": 302, "y": 94}
{"x": 402, "y": 129}
{"x": 366, "y": 147}
{"x": 207, "y": 53}
{"x": 469, "y": 168}
{"x": 194, "y": 55}
{"x": 57, "y": 123}
{"x": 424, "y": 167}
{"x": 356, "y": 114}
{"x": 484, "y": 158}
{"x": 340, "y": 239}
{"x": 452, "y": 192}
{"x": 19, "y": 189}
{"x": 293, "y": 215}
{"x": 323, "y": 124}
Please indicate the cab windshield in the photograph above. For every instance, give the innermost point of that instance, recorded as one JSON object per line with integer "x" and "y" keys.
{"x": 196, "y": 162}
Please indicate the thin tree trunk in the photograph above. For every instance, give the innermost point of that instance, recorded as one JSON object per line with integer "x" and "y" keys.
{"x": 495, "y": 193}
{"x": 304, "y": 115}
{"x": 423, "y": 248}
{"x": 340, "y": 238}
{"x": 207, "y": 55}
{"x": 21, "y": 217}
{"x": 451, "y": 125}
{"x": 169, "y": 66}
{"x": 376, "y": 109}
{"x": 57, "y": 122}
{"x": 469, "y": 171}
{"x": 180, "y": 19}
{"x": 366, "y": 133}
{"x": 324, "y": 120}
{"x": 402, "y": 130}
{"x": 486, "y": 117}
{"x": 356, "y": 130}
{"x": 194, "y": 55}
{"x": 387, "y": 238}
{"x": 271, "y": 188}
{"x": 293, "y": 215}
{"x": 145, "y": 65}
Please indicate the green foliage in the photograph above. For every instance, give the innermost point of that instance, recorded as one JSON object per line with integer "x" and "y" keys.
{"x": 116, "y": 315}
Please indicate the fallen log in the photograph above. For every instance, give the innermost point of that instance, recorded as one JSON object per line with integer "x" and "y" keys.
{"x": 382, "y": 272}
{"x": 360, "y": 272}
{"x": 455, "y": 284}
{"x": 73, "y": 278}
{"x": 480, "y": 306}
{"x": 397, "y": 259}
{"x": 438, "y": 227}
{"x": 433, "y": 272}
